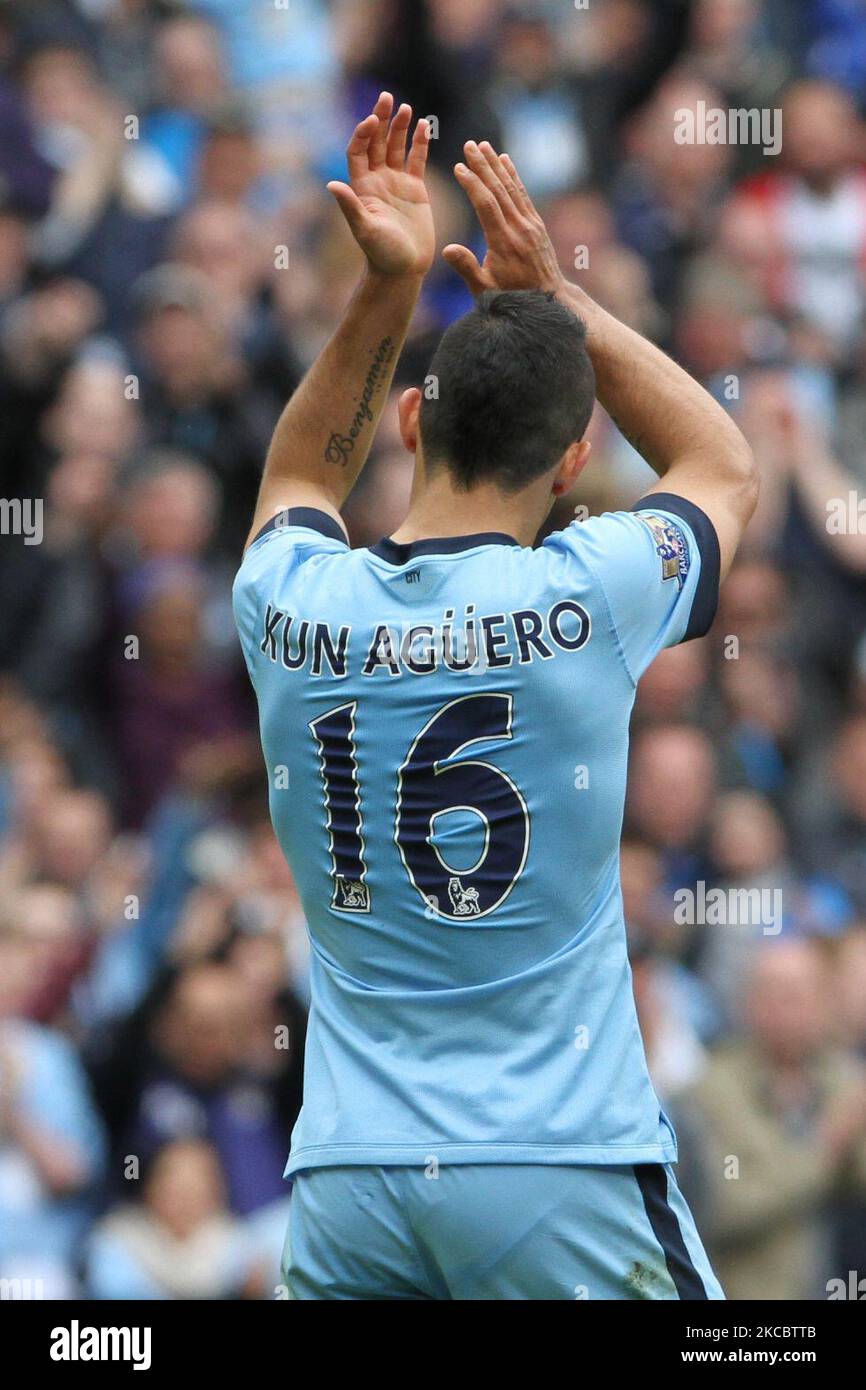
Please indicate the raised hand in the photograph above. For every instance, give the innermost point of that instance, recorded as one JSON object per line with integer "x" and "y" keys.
{"x": 520, "y": 254}
{"x": 386, "y": 202}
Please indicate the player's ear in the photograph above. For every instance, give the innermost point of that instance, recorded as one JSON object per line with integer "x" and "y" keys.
{"x": 571, "y": 465}
{"x": 409, "y": 408}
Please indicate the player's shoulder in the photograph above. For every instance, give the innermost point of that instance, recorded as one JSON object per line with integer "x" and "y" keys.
{"x": 589, "y": 552}
{"x": 280, "y": 554}
{"x": 591, "y": 538}
{"x": 655, "y": 567}
{"x": 291, "y": 537}
{"x": 662, "y": 532}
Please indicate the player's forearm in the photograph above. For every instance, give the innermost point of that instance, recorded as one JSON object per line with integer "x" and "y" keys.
{"x": 668, "y": 417}
{"x": 324, "y": 435}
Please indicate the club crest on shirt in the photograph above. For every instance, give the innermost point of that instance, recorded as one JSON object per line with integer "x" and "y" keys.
{"x": 671, "y": 545}
{"x": 464, "y": 901}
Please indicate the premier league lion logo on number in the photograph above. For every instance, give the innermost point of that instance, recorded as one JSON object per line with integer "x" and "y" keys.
{"x": 353, "y": 894}
{"x": 463, "y": 900}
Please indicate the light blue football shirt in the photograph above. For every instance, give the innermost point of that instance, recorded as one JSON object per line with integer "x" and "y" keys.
{"x": 445, "y": 728}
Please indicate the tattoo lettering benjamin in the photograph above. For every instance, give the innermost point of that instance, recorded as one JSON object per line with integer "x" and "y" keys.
{"x": 340, "y": 446}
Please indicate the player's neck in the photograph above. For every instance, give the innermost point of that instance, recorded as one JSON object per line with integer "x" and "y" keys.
{"x": 439, "y": 509}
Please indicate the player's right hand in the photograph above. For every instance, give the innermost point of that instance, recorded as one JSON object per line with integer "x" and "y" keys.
{"x": 520, "y": 254}
{"x": 386, "y": 202}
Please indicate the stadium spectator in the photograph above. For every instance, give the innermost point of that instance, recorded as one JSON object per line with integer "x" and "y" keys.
{"x": 180, "y": 1241}
{"x": 200, "y": 1074}
{"x": 52, "y": 1144}
{"x": 813, "y": 210}
{"x": 782, "y": 1115}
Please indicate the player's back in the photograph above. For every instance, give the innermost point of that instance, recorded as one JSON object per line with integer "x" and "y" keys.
{"x": 445, "y": 727}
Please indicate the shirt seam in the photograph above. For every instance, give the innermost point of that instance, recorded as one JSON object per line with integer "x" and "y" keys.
{"x": 477, "y": 1144}
{"x": 315, "y": 537}
{"x": 260, "y": 542}
{"x": 613, "y": 627}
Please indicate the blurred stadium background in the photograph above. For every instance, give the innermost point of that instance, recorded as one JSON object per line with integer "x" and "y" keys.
{"x": 164, "y": 282}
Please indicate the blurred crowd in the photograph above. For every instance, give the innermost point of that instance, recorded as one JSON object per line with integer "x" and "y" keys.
{"x": 170, "y": 264}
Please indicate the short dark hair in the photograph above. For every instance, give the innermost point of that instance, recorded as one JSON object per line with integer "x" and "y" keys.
{"x": 514, "y": 388}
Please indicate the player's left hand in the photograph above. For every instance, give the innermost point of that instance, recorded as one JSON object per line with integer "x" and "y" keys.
{"x": 520, "y": 253}
{"x": 386, "y": 202}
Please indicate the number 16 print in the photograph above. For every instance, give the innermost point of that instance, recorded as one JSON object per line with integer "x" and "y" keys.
{"x": 431, "y": 782}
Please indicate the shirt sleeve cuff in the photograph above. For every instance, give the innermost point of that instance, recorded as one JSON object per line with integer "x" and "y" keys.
{"x": 706, "y": 597}
{"x": 310, "y": 517}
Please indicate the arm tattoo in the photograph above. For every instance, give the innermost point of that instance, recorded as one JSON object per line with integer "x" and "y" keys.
{"x": 340, "y": 446}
